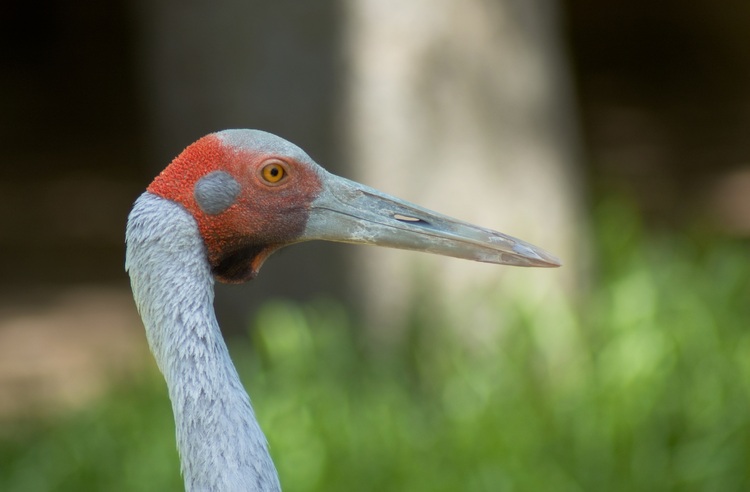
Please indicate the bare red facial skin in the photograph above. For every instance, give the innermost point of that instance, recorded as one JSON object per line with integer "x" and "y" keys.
{"x": 263, "y": 218}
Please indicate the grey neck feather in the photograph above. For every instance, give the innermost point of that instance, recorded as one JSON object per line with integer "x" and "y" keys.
{"x": 221, "y": 445}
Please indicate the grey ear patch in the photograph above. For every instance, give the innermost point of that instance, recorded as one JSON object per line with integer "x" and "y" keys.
{"x": 215, "y": 192}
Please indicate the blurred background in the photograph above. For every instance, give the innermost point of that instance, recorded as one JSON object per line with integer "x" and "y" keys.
{"x": 614, "y": 134}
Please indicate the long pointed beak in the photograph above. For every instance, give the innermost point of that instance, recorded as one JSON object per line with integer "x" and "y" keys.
{"x": 346, "y": 211}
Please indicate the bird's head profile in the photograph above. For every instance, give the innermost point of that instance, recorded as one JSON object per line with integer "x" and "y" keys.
{"x": 251, "y": 193}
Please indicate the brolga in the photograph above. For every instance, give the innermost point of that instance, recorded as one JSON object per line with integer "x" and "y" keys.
{"x": 217, "y": 212}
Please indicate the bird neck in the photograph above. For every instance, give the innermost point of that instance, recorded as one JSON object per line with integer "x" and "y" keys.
{"x": 220, "y": 442}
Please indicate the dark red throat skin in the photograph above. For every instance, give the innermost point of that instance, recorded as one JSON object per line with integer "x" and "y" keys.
{"x": 262, "y": 218}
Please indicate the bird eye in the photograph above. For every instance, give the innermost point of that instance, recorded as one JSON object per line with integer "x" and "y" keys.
{"x": 273, "y": 172}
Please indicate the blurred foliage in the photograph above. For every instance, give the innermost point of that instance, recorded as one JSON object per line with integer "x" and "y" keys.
{"x": 645, "y": 386}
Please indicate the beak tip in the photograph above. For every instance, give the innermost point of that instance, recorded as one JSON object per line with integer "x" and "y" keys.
{"x": 546, "y": 262}
{"x": 550, "y": 261}
{"x": 554, "y": 263}
{"x": 536, "y": 257}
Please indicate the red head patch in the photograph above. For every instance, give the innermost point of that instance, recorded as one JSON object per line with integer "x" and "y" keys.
{"x": 260, "y": 203}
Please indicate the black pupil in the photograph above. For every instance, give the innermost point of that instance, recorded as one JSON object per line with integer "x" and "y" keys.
{"x": 274, "y": 171}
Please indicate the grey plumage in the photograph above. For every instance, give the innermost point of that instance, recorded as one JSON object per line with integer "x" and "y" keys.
{"x": 221, "y": 445}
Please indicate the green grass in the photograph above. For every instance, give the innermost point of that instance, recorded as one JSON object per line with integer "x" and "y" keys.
{"x": 647, "y": 389}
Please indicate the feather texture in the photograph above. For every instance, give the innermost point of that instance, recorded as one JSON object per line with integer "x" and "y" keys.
{"x": 221, "y": 445}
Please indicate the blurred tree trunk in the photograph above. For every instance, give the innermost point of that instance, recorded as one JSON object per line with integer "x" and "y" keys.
{"x": 467, "y": 108}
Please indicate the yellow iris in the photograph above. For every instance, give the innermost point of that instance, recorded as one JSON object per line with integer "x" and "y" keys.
{"x": 273, "y": 173}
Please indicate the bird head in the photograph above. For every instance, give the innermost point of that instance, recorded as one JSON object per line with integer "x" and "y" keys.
{"x": 252, "y": 193}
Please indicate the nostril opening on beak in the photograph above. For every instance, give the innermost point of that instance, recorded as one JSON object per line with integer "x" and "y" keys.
{"x": 409, "y": 219}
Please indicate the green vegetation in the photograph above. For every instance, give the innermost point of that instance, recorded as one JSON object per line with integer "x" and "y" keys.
{"x": 649, "y": 390}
